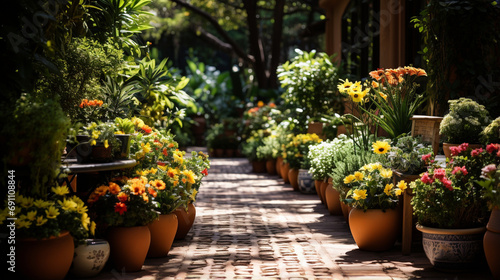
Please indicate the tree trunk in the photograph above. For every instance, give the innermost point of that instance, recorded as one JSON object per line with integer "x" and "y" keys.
{"x": 276, "y": 42}
{"x": 256, "y": 49}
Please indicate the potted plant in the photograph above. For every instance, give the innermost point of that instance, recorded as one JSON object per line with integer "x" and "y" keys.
{"x": 47, "y": 230}
{"x": 409, "y": 155}
{"x": 122, "y": 209}
{"x": 374, "y": 221}
{"x": 99, "y": 142}
{"x": 491, "y": 133}
{"x": 451, "y": 209}
{"x": 249, "y": 149}
{"x": 490, "y": 181}
{"x": 124, "y": 130}
{"x": 269, "y": 151}
{"x": 463, "y": 124}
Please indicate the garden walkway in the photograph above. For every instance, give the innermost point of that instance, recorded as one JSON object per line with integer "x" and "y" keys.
{"x": 253, "y": 226}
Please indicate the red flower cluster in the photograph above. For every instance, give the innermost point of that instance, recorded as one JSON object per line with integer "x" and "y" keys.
{"x": 91, "y": 103}
{"x": 440, "y": 175}
{"x": 458, "y": 149}
{"x": 146, "y": 128}
{"x": 493, "y": 148}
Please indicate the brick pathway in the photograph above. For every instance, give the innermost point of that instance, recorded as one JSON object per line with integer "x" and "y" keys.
{"x": 253, "y": 226}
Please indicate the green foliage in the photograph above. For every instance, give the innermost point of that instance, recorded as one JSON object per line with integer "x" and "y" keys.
{"x": 405, "y": 155}
{"x": 465, "y": 121}
{"x": 118, "y": 98}
{"x": 322, "y": 156}
{"x": 491, "y": 133}
{"x": 250, "y": 146}
{"x": 270, "y": 148}
{"x": 310, "y": 81}
{"x": 125, "y": 125}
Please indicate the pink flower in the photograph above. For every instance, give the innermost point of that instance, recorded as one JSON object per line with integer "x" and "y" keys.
{"x": 463, "y": 147}
{"x": 426, "y": 157}
{"x": 426, "y": 179}
{"x": 476, "y": 152}
{"x": 488, "y": 169}
{"x": 455, "y": 150}
{"x": 491, "y": 148}
{"x": 439, "y": 173}
{"x": 447, "y": 183}
{"x": 460, "y": 170}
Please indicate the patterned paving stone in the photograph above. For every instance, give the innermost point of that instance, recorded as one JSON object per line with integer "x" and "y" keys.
{"x": 253, "y": 226}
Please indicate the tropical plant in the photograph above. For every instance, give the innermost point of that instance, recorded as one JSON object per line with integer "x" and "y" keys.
{"x": 118, "y": 97}
{"x": 124, "y": 126}
{"x": 43, "y": 217}
{"x": 409, "y": 155}
{"x": 371, "y": 187}
{"x": 464, "y": 122}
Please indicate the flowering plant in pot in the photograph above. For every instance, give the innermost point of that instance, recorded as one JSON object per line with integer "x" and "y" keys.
{"x": 409, "y": 155}
{"x": 463, "y": 123}
{"x": 491, "y": 133}
{"x": 102, "y": 141}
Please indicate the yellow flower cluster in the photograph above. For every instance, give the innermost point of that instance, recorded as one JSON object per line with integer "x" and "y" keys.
{"x": 354, "y": 90}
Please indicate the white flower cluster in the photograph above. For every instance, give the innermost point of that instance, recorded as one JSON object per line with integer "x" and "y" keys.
{"x": 322, "y": 156}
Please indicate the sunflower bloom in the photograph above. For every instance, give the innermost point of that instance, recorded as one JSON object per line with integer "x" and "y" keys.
{"x": 381, "y": 147}
{"x": 359, "y": 194}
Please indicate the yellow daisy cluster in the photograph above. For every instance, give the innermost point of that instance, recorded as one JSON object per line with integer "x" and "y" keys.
{"x": 354, "y": 90}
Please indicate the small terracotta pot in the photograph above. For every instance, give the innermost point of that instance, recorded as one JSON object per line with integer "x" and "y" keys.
{"x": 271, "y": 166}
{"x": 163, "y": 232}
{"x": 129, "y": 247}
{"x": 185, "y": 220}
{"x": 332, "y": 197}
{"x": 317, "y": 186}
{"x": 279, "y": 162}
{"x": 293, "y": 176}
{"x": 259, "y": 166}
{"x": 322, "y": 190}
{"x": 374, "y": 229}
{"x": 285, "y": 168}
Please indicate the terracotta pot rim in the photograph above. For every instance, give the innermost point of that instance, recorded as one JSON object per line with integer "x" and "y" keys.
{"x": 464, "y": 231}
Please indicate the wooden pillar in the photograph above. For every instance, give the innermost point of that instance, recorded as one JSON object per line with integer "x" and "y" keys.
{"x": 334, "y": 9}
{"x": 392, "y": 33}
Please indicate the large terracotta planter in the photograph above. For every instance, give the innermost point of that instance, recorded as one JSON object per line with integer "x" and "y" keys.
{"x": 306, "y": 182}
{"x": 271, "y": 166}
{"x": 259, "y": 166}
{"x": 129, "y": 247}
{"x": 491, "y": 243}
{"x": 90, "y": 258}
{"x": 163, "y": 232}
{"x": 332, "y": 197}
{"x": 374, "y": 229}
{"x": 346, "y": 210}
{"x": 293, "y": 176}
{"x": 453, "y": 249}
{"x": 185, "y": 220}
{"x": 279, "y": 162}
{"x": 44, "y": 259}
{"x": 285, "y": 168}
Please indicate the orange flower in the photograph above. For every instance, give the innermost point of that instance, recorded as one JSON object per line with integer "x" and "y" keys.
{"x": 152, "y": 192}
{"x": 137, "y": 187}
{"x": 184, "y": 180}
{"x": 99, "y": 102}
{"x": 120, "y": 208}
{"x": 260, "y": 104}
{"x": 92, "y": 103}
{"x": 171, "y": 145}
{"x": 376, "y": 74}
{"x": 93, "y": 198}
{"x": 374, "y": 84}
{"x": 122, "y": 197}
{"x": 158, "y": 184}
{"x": 391, "y": 79}
{"x": 165, "y": 152}
{"x": 114, "y": 188}
{"x": 146, "y": 128}
{"x": 176, "y": 183}
{"x": 102, "y": 190}
{"x": 272, "y": 105}
{"x": 171, "y": 173}
{"x": 145, "y": 197}
{"x": 421, "y": 72}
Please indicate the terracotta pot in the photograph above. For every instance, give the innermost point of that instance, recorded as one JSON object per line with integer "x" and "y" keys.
{"x": 453, "y": 249}
{"x": 44, "y": 259}
{"x": 346, "y": 210}
{"x": 305, "y": 182}
{"x": 90, "y": 258}
{"x": 374, "y": 230}
{"x": 129, "y": 247}
{"x": 447, "y": 146}
{"x": 185, "y": 220}
{"x": 332, "y": 197}
{"x": 293, "y": 176}
{"x": 279, "y": 162}
{"x": 491, "y": 243}
{"x": 285, "y": 168}
{"x": 230, "y": 153}
{"x": 322, "y": 190}
{"x": 271, "y": 166}
{"x": 163, "y": 232}
{"x": 219, "y": 152}
{"x": 259, "y": 166}
{"x": 317, "y": 186}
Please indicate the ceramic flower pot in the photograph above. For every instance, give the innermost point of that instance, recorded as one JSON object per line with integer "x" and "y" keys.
{"x": 129, "y": 247}
{"x": 306, "y": 182}
{"x": 90, "y": 258}
{"x": 44, "y": 259}
{"x": 491, "y": 243}
{"x": 453, "y": 249}
{"x": 293, "y": 176}
{"x": 185, "y": 220}
{"x": 271, "y": 166}
{"x": 259, "y": 166}
{"x": 374, "y": 229}
{"x": 279, "y": 162}
{"x": 332, "y": 197}
{"x": 285, "y": 168}
{"x": 163, "y": 231}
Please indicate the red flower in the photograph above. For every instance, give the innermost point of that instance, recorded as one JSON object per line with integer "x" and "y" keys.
{"x": 160, "y": 163}
{"x": 439, "y": 173}
{"x": 476, "y": 152}
{"x": 460, "y": 170}
{"x": 120, "y": 207}
{"x": 447, "y": 183}
{"x": 204, "y": 172}
{"x": 426, "y": 157}
{"x": 165, "y": 153}
{"x": 491, "y": 148}
{"x": 426, "y": 179}
{"x": 147, "y": 129}
{"x": 464, "y": 146}
{"x": 455, "y": 150}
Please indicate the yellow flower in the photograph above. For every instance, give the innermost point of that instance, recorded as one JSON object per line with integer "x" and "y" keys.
{"x": 359, "y": 194}
{"x": 40, "y": 221}
{"x": 146, "y": 148}
{"x": 376, "y": 165}
{"x": 386, "y": 173}
{"x": 402, "y": 185}
{"x": 26, "y": 202}
{"x": 68, "y": 205}
{"x": 93, "y": 143}
{"x": 349, "y": 179}
{"x": 106, "y": 144}
{"x": 31, "y": 215}
{"x": 60, "y": 190}
{"x": 388, "y": 189}
{"x": 85, "y": 221}
{"x": 153, "y": 170}
{"x": 52, "y": 212}
{"x": 345, "y": 86}
{"x": 22, "y": 224}
{"x": 357, "y": 95}
{"x": 92, "y": 227}
{"x": 358, "y": 175}
{"x": 178, "y": 157}
{"x": 95, "y": 134}
{"x": 193, "y": 195}
{"x": 398, "y": 191}
{"x": 40, "y": 203}
{"x": 190, "y": 176}
{"x": 384, "y": 96}
{"x": 381, "y": 147}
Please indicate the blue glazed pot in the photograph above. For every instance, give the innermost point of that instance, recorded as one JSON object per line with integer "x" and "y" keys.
{"x": 306, "y": 182}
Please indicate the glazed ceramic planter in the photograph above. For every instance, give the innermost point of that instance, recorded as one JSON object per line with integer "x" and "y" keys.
{"x": 44, "y": 259}
{"x": 453, "y": 249}
{"x": 306, "y": 182}
{"x": 374, "y": 229}
{"x": 90, "y": 258}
